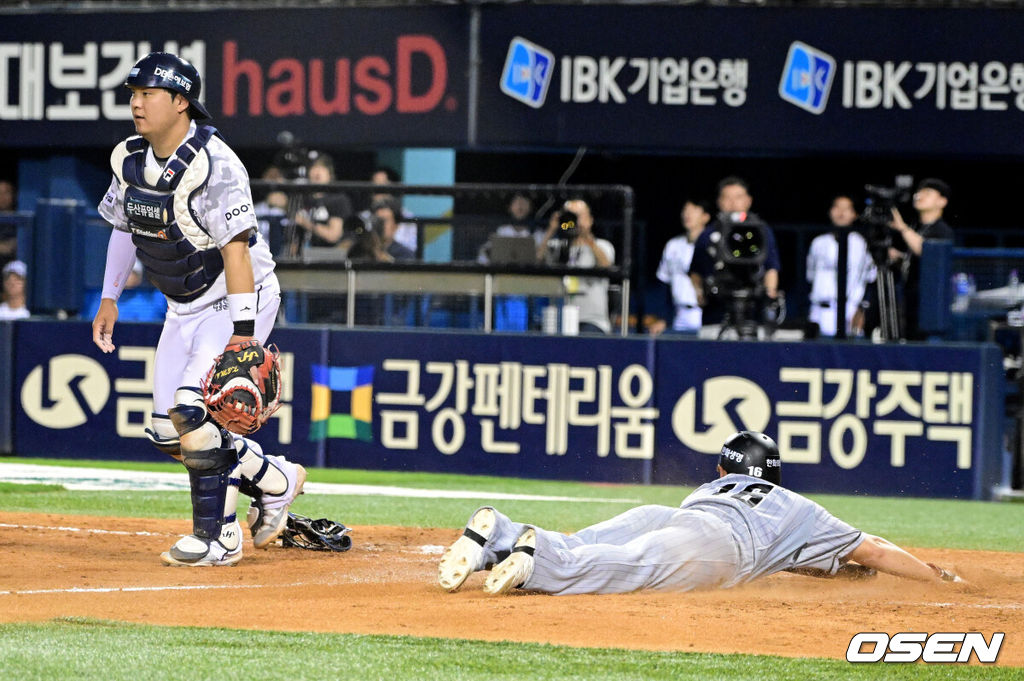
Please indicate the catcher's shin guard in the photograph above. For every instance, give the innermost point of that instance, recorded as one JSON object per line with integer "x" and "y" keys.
{"x": 261, "y": 474}
{"x": 216, "y": 537}
{"x": 205, "y": 446}
{"x": 273, "y": 482}
{"x": 164, "y": 436}
{"x": 210, "y": 457}
{"x": 210, "y": 502}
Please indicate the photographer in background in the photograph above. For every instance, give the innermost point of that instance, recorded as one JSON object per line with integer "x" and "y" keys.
{"x": 376, "y": 241}
{"x": 407, "y": 233}
{"x": 709, "y": 273}
{"x": 930, "y": 201}
{"x": 570, "y": 240}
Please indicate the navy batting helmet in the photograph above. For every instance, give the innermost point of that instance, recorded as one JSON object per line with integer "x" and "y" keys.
{"x": 171, "y": 72}
{"x": 755, "y": 454}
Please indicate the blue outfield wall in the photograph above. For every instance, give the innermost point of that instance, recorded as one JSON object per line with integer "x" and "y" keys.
{"x": 918, "y": 420}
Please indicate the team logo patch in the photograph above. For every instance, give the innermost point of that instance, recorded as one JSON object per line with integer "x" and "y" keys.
{"x": 168, "y": 174}
{"x": 527, "y": 73}
{"x": 807, "y": 77}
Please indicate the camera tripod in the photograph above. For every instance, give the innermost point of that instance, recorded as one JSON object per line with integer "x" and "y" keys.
{"x": 888, "y": 319}
{"x": 739, "y": 318}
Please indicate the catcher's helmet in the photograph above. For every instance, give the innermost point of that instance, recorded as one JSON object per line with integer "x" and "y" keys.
{"x": 755, "y": 454}
{"x": 316, "y": 535}
{"x": 171, "y": 72}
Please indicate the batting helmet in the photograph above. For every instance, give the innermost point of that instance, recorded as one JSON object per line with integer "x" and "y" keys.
{"x": 171, "y": 72}
{"x": 754, "y": 454}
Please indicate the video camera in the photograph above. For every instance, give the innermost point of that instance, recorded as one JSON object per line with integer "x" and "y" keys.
{"x": 878, "y": 205}
{"x": 293, "y": 158}
{"x": 740, "y": 252}
{"x": 365, "y": 238}
{"x": 568, "y": 230}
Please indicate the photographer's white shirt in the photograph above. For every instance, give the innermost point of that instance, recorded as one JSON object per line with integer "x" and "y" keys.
{"x": 590, "y": 294}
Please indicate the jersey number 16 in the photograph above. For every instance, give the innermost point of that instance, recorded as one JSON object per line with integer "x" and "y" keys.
{"x": 751, "y": 494}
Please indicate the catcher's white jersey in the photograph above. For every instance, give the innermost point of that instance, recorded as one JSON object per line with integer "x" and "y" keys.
{"x": 822, "y": 272}
{"x": 727, "y": 532}
{"x": 223, "y": 207}
{"x": 195, "y": 332}
{"x": 674, "y": 270}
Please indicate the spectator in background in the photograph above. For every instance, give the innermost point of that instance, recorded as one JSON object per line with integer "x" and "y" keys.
{"x": 8, "y": 233}
{"x": 520, "y": 224}
{"x": 582, "y": 250}
{"x": 512, "y": 313}
{"x": 407, "y": 231}
{"x": 321, "y": 217}
{"x": 674, "y": 270}
{"x": 13, "y": 306}
{"x": 930, "y": 200}
{"x": 272, "y": 213}
{"x": 734, "y": 202}
{"x": 823, "y": 270}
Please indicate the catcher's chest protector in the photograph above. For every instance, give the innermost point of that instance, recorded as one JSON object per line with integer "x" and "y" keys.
{"x": 181, "y": 258}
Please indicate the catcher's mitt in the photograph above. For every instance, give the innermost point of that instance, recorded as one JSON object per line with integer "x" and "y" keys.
{"x": 243, "y": 387}
{"x": 315, "y": 535}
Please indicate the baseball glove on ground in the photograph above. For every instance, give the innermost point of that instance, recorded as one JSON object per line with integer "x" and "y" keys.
{"x": 242, "y": 390}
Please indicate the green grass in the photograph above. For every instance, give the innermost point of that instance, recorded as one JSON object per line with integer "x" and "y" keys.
{"x": 28, "y": 653}
{"x": 915, "y": 522}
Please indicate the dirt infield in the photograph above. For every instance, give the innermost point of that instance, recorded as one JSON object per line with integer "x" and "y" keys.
{"x": 108, "y": 568}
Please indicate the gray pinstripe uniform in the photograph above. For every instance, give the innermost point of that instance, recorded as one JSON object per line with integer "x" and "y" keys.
{"x": 727, "y": 532}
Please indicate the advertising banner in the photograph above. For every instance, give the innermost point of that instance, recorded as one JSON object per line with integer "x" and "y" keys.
{"x": 538, "y": 407}
{"x": 73, "y": 401}
{"x": 722, "y": 80}
{"x": 849, "y": 418}
{"x": 327, "y": 77}
{"x": 762, "y": 79}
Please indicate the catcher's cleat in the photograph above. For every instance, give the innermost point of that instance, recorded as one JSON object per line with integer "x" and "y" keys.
{"x": 517, "y": 568}
{"x": 192, "y": 551}
{"x": 268, "y": 515}
{"x": 462, "y": 558}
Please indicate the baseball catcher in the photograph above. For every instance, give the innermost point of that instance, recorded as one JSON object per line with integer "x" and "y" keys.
{"x": 242, "y": 390}
{"x": 741, "y": 526}
{"x": 179, "y": 202}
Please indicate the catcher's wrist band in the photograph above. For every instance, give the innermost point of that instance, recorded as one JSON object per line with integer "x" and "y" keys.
{"x": 245, "y": 328}
{"x": 242, "y": 307}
